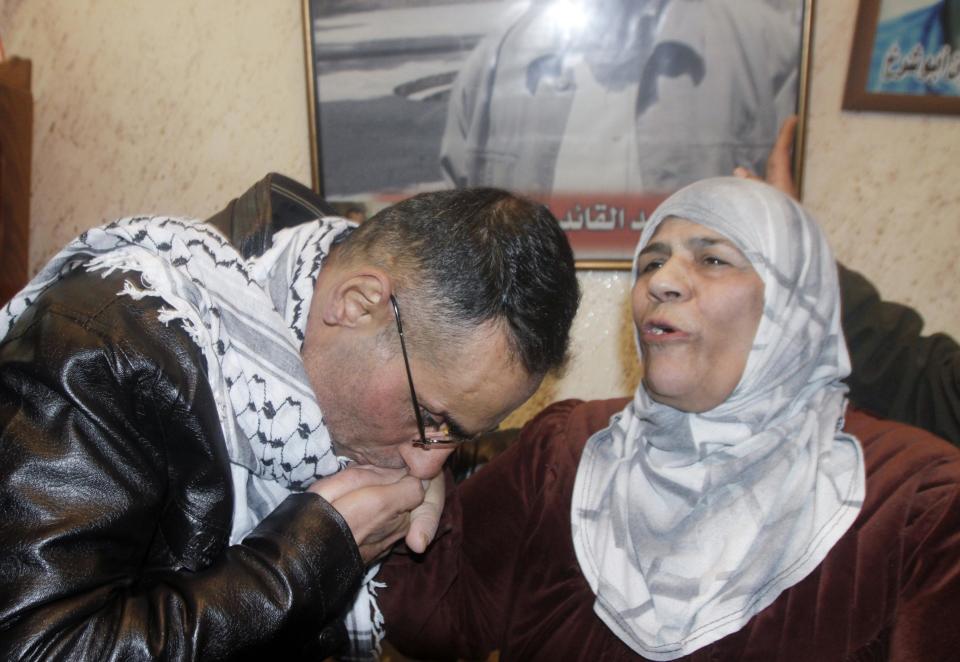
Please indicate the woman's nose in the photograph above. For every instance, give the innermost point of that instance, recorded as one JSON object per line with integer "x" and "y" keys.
{"x": 424, "y": 463}
{"x": 670, "y": 282}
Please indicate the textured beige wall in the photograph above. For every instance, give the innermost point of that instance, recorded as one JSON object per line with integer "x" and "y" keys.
{"x": 177, "y": 106}
{"x": 141, "y": 107}
{"x": 885, "y": 186}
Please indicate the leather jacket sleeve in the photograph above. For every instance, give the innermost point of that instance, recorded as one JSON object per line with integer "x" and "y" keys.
{"x": 116, "y": 501}
{"x": 273, "y": 203}
{"x": 898, "y": 373}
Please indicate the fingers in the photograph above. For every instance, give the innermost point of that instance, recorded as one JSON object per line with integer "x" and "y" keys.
{"x": 383, "y": 505}
{"x": 745, "y": 173}
{"x": 780, "y": 160}
{"x": 352, "y": 478}
{"x": 785, "y": 137}
{"x": 379, "y": 515}
{"x": 425, "y": 518}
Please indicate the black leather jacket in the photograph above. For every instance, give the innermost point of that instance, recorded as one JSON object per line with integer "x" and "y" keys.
{"x": 116, "y": 500}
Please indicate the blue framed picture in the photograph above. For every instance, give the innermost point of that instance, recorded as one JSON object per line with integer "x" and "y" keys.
{"x": 905, "y": 57}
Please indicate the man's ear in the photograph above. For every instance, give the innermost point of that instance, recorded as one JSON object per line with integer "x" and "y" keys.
{"x": 359, "y": 298}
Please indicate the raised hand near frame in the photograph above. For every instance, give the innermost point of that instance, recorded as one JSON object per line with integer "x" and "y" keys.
{"x": 779, "y": 162}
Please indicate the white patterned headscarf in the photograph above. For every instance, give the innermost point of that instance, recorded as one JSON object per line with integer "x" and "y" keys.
{"x": 686, "y": 525}
{"x": 248, "y": 317}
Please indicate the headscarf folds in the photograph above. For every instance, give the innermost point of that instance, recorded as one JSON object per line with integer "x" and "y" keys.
{"x": 686, "y": 525}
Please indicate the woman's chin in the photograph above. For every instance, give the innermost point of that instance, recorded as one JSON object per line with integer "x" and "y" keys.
{"x": 666, "y": 391}
{"x": 683, "y": 395}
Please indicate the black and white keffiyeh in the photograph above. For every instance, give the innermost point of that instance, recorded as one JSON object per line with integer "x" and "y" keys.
{"x": 686, "y": 525}
{"x": 249, "y": 318}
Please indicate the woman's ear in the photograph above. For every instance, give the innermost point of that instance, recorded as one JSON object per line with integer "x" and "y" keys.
{"x": 359, "y": 298}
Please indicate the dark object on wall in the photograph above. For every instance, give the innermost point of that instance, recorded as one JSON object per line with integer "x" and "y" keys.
{"x": 16, "y": 132}
{"x": 904, "y": 62}
{"x": 274, "y": 203}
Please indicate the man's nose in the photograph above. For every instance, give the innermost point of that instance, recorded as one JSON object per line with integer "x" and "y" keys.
{"x": 424, "y": 463}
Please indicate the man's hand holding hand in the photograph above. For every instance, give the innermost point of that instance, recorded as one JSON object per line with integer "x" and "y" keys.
{"x": 376, "y": 504}
{"x": 381, "y": 506}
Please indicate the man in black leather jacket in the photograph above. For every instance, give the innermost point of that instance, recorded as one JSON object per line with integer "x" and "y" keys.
{"x": 115, "y": 479}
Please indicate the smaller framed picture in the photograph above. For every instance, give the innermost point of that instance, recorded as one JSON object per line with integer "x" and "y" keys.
{"x": 905, "y": 57}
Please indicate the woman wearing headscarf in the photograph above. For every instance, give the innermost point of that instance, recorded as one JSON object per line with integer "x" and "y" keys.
{"x": 734, "y": 509}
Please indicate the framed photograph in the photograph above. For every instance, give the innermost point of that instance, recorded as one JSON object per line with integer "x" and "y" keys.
{"x": 597, "y": 108}
{"x": 905, "y": 57}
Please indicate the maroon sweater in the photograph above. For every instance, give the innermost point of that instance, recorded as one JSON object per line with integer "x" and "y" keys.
{"x": 503, "y": 576}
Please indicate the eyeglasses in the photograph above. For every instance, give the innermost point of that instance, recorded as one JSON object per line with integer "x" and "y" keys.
{"x": 444, "y": 438}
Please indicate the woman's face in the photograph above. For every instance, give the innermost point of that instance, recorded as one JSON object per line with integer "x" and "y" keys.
{"x": 697, "y": 304}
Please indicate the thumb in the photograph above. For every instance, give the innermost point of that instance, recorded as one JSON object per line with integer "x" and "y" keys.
{"x": 744, "y": 173}
{"x": 425, "y": 518}
{"x": 780, "y": 160}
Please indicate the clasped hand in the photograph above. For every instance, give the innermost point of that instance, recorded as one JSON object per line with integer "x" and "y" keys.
{"x": 381, "y": 506}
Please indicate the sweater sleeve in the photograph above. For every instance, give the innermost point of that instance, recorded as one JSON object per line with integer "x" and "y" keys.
{"x": 898, "y": 373}
{"x": 116, "y": 511}
{"x": 925, "y": 622}
{"x": 891, "y": 588}
{"x": 453, "y": 601}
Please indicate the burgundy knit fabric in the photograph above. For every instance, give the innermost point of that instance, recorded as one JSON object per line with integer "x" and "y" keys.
{"x": 503, "y": 575}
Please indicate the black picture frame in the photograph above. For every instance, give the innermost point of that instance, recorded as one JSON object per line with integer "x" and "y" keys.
{"x": 381, "y": 75}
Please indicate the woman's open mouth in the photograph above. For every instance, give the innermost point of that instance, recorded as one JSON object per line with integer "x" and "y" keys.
{"x": 659, "y": 331}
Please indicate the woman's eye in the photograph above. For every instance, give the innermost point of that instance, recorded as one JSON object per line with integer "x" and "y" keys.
{"x": 713, "y": 260}
{"x": 647, "y": 267}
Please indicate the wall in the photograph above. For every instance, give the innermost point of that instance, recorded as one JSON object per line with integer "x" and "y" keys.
{"x": 178, "y": 106}
{"x": 171, "y": 107}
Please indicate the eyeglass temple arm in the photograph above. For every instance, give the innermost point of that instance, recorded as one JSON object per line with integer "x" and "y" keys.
{"x": 406, "y": 365}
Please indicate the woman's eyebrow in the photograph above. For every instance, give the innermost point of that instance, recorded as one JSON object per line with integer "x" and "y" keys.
{"x": 655, "y": 247}
{"x": 706, "y": 242}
